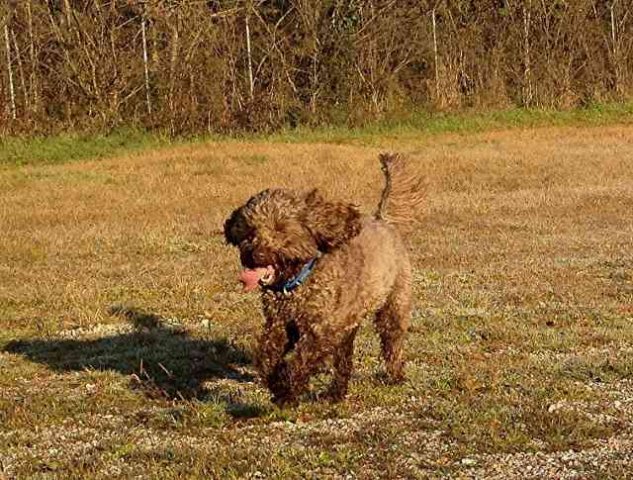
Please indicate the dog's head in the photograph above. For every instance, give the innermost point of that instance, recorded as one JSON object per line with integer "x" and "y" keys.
{"x": 280, "y": 230}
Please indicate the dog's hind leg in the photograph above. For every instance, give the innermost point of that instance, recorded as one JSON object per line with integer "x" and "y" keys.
{"x": 392, "y": 323}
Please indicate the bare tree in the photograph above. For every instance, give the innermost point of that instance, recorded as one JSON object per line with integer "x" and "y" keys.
{"x": 7, "y": 44}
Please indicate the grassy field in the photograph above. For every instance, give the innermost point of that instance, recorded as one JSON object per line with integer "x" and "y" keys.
{"x": 125, "y": 344}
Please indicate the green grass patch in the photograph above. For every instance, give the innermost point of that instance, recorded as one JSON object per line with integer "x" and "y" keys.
{"x": 435, "y": 123}
{"x": 69, "y": 147}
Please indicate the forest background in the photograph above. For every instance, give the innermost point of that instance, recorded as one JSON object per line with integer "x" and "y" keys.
{"x": 196, "y": 67}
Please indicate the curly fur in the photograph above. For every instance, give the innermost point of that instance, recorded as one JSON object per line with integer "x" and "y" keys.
{"x": 363, "y": 269}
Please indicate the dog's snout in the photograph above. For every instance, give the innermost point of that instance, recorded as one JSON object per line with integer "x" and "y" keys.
{"x": 246, "y": 257}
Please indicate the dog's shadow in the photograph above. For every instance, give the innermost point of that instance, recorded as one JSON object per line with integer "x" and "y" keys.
{"x": 162, "y": 361}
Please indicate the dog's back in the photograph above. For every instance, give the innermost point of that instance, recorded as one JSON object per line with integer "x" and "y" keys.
{"x": 367, "y": 273}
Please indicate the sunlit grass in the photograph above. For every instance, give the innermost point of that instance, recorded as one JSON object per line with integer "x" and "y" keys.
{"x": 126, "y": 346}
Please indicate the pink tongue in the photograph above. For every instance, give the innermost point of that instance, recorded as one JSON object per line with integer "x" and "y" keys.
{"x": 250, "y": 277}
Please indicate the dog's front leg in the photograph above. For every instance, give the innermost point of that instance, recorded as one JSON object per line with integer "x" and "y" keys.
{"x": 291, "y": 376}
{"x": 272, "y": 348}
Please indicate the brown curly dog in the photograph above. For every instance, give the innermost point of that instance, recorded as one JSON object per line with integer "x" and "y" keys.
{"x": 322, "y": 267}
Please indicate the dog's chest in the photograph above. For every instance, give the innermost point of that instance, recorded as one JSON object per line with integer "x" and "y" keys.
{"x": 276, "y": 305}
{"x": 293, "y": 307}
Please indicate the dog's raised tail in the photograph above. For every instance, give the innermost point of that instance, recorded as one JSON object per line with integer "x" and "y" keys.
{"x": 401, "y": 200}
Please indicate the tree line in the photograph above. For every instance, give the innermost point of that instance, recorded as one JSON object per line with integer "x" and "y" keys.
{"x": 190, "y": 66}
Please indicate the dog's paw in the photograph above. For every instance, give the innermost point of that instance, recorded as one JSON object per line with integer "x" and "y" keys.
{"x": 391, "y": 378}
{"x": 334, "y": 396}
{"x": 285, "y": 401}
{"x": 335, "y": 393}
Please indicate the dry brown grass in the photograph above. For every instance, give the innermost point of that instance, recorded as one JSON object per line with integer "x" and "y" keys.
{"x": 521, "y": 339}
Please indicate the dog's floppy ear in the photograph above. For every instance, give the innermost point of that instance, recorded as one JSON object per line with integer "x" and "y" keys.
{"x": 331, "y": 223}
{"x": 235, "y": 227}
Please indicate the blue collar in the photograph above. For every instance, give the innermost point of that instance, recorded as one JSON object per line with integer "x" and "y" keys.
{"x": 295, "y": 282}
